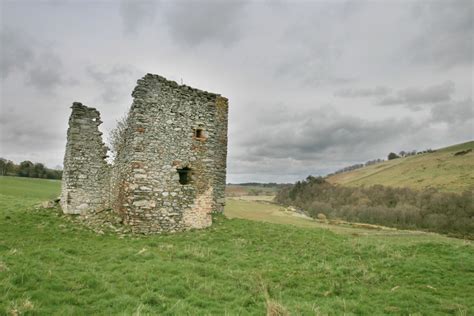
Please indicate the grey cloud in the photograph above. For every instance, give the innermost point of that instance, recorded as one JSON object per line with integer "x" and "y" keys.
{"x": 414, "y": 97}
{"x": 192, "y": 23}
{"x": 298, "y": 143}
{"x": 189, "y": 23}
{"x": 301, "y": 54}
{"x": 311, "y": 134}
{"x": 16, "y": 52}
{"x": 47, "y": 73}
{"x": 445, "y": 35}
{"x": 363, "y": 92}
{"x": 41, "y": 66}
{"x": 454, "y": 112}
{"x": 311, "y": 46}
{"x": 136, "y": 14}
{"x": 311, "y": 71}
{"x": 27, "y": 132}
{"x": 113, "y": 81}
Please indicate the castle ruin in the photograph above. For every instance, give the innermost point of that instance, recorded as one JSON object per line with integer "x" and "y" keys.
{"x": 169, "y": 172}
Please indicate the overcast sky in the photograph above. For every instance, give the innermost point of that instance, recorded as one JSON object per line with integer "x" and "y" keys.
{"x": 312, "y": 86}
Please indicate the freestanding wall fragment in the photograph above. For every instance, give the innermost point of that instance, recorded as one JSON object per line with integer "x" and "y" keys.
{"x": 85, "y": 182}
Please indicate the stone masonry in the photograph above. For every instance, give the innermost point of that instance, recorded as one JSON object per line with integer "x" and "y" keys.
{"x": 169, "y": 173}
{"x": 85, "y": 182}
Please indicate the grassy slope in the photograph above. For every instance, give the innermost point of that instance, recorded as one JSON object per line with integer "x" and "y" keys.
{"x": 49, "y": 266}
{"x": 258, "y": 209}
{"x": 440, "y": 170}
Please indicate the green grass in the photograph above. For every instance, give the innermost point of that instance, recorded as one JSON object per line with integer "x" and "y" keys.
{"x": 441, "y": 170}
{"x": 49, "y": 266}
{"x": 29, "y": 188}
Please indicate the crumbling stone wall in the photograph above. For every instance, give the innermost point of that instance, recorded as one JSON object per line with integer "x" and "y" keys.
{"x": 169, "y": 174}
{"x": 85, "y": 185}
{"x": 172, "y": 128}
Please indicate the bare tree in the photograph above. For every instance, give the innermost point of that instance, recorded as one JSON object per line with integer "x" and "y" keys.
{"x": 117, "y": 137}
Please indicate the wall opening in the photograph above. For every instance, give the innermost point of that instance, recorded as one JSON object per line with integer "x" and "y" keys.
{"x": 199, "y": 133}
{"x": 184, "y": 175}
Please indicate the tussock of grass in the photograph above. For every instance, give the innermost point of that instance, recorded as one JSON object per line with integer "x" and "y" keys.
{"x": 57, "y": 268}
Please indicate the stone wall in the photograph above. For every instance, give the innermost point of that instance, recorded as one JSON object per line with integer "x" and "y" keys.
{"x": 169, "y": 173}
{"x": 85, "y": 185}
{"x": 171, "y": 128}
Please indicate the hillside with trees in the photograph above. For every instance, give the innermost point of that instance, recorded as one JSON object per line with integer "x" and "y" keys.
{"x": 405, "y": 208}
{"x": 449, "y": 169}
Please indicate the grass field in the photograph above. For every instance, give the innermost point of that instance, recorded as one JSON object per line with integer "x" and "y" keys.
{"x": 441, "y": 169}
{"x": 49, "y": 266}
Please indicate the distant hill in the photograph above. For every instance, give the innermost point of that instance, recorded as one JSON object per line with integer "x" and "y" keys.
{"x": 449, "y": 169}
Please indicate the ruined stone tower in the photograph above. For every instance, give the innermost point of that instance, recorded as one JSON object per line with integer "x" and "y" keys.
{"x": 169, "y": 173}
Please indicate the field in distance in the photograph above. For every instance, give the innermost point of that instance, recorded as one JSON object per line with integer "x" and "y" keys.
{"x": 442, "y": 169}
{"x": 50, "y": 266}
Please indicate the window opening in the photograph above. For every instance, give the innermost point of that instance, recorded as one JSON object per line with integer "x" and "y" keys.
{"x": 184, "y": 175}
{"x": 199, "y": 133}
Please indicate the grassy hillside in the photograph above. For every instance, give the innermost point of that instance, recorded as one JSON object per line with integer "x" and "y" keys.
{"x": 235, "y": 190}
{"x": 441, "y": 169}
{"x": 49, "y": 266}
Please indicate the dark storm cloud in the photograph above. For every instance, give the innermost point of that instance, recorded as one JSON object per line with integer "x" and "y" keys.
{"x": 363, "y": 92}
{"x": 113, "y": 81}
{"x": 414, "y": 97}
{"x": 445, "y": 35}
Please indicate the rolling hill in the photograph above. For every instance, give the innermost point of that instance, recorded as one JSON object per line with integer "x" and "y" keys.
{"x": 449, "y": 169}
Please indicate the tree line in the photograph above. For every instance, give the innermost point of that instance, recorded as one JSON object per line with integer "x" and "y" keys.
{"x": 403, "y": 153}
{"x": 390, "y": 156}
{"x": 28, "y": 169}
{"x": 356, "y": 166}
{"x": 404, "y": 208}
